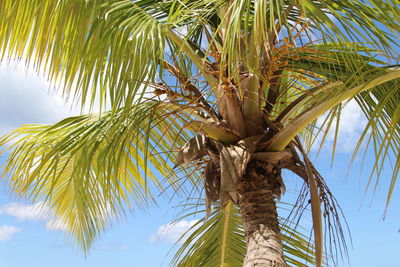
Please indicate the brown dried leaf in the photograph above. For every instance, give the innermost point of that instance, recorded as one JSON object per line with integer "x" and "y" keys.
{"x": 282, "y": 159}
{"x": 274, "y": 157}
{"x": 229, "y": 107}
{"x": 212, "y": 184}
{"x": 282, "y": 188}
{"x": 316, "y": 212}
{"x": 233, "y": 163}
{"x": 194, "y": 149}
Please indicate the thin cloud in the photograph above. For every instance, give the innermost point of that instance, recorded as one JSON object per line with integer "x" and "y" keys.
{"x": 171, "y": 232}
{"x": 7, "y": 232}
{"x": 24, "y": 212}
{"x": 56, "y": 225}
{"x": 34, "y": 212}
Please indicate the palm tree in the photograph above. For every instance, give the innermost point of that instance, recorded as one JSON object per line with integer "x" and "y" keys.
{"x": 223, "y": 94}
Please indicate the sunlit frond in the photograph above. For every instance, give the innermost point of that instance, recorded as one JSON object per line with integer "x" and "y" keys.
{"x": 90, "y": 168}
{"x": 93, "y": 49}
{"x": 228, "y": 70}
{"x": 345, "y": 72}
{"x": 382, "y": 132}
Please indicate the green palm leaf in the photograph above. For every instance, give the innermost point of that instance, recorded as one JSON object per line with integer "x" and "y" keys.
{"x": 62, "y": 39}
{"x": 229, "y": 70}
{"x": 343, "y": 68}
{"x": 89, "y": 168}
{"x": 219, "y": 240}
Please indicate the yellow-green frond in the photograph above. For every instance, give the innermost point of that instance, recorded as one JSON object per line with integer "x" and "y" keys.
{"x": 93, "y": 49}
{"x": 90, "y": 168}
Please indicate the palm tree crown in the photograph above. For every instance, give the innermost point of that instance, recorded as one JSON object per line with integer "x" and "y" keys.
{"x": 222, "y": 94}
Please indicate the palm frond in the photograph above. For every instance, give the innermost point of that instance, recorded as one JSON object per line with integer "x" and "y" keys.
{"x": 90, "y": 168}
{"x": 220, "y": 240}
{"x": 341, "y": 67}
{"x": 301, "y": 121}
{"x": 235, "y": 62}
{"x": 382, "y": 132}
{"x": 102, "y": 50}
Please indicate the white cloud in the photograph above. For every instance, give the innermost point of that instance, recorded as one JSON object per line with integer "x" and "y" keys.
{"x": 56, "y": 225}
{"x": 171, "y": 232}
{"x": 26, "y": 98}
{"x": 352, "y": 124}
{"x": 34, "y": 212}
{"x": 7, "y": 232}
{"x": 25, "y": 212}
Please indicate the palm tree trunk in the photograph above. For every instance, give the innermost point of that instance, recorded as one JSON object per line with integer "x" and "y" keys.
{"x": 259, "y": 216}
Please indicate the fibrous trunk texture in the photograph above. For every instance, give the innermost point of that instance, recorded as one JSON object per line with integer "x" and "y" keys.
{"x": 259, "y": 215}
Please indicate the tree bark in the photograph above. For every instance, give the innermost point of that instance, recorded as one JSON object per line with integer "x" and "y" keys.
{"x": 259, "y": 215}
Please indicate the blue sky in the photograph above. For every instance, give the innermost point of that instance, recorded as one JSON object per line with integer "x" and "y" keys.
{"x": 29, "y": 238}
